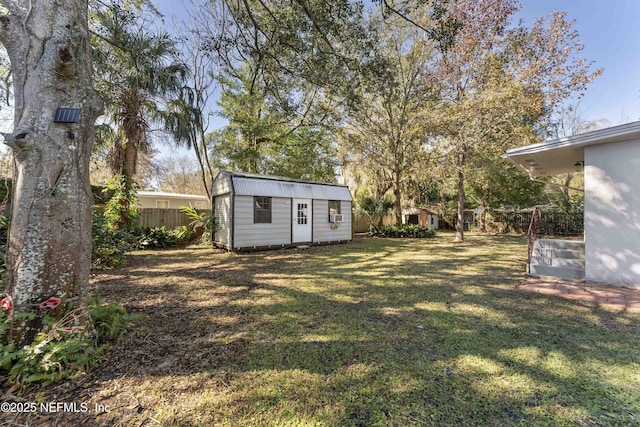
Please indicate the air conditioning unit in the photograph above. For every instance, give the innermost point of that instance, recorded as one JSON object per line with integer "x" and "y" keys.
{"x": 335, "y": 218}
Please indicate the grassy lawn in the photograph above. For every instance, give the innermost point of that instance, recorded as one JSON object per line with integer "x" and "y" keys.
{"x": 373, "y": 333}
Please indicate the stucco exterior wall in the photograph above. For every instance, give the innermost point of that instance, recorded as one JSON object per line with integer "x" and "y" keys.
{"x": 612, "y": 213}
{"x": 150, "y": 201}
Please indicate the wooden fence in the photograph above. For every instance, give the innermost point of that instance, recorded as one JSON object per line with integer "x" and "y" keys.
{"x": 360, "y": 224}
{"x": 169, "y": 218}
{"x": 173, "y": 218}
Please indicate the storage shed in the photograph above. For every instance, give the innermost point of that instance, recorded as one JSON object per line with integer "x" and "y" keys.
{"x": 261, "y": 212}
{"x": 420, "y": 216}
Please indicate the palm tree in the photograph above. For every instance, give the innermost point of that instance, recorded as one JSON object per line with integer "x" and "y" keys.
{"x": 374, "y": 208}
{"x": 137, "y": 72}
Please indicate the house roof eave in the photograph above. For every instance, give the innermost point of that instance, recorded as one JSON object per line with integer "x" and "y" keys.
{"x": 563, "y": 155}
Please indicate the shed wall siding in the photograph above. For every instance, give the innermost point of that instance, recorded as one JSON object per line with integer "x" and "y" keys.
{"x": 612, "y": 213}
{"x": 223, "y": 219}
{"x": 221, "y": 184}
{"x": 322, "y": 231}
{"x": 248, "y": 234}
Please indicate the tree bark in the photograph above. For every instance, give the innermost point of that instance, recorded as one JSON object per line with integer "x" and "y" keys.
{"x": 565, "y": 189}
{"x": 483, "y": 216}
{"x": 461, "y": 197}
{"x": 397, "y": 194}
{"x": 49, "y": 245}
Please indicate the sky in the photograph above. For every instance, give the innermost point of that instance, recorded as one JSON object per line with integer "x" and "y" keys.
{"x": 608, "y": 29}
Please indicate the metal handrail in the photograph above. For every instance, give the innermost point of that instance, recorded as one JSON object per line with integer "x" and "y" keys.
{"x": 532, "y": 233}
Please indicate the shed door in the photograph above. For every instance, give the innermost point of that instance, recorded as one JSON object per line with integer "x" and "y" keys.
{"x": 301, "y": 215}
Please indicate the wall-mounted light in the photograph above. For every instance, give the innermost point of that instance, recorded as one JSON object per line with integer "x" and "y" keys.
{"x": 579, "y": 165}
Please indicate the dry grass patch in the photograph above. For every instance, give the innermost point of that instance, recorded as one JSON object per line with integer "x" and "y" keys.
{"x": 375, "y": 332}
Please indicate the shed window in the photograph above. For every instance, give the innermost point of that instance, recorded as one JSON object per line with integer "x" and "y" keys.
{"x": 262, "y": 210}
{"x": 302, "y": 214}
{"x": 334, "y": 208}
{"x": 162, "y": 204}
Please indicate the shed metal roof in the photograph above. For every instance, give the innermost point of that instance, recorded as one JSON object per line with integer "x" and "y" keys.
{"x": 276, "y": 186}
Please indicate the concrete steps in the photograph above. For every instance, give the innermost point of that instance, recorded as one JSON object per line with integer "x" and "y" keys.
{"x": 563, "y": 259}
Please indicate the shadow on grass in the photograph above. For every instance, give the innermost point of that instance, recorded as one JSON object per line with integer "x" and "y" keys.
{"x": 376, "y": 332}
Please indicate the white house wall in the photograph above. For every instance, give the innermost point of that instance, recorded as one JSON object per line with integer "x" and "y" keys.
{"x": 612, "y": 213}
{"x": 150, "y": 202}
{"x": 222, "y": 211}
{"x": 322, "y": 231}
{"x": 249, "y": 235}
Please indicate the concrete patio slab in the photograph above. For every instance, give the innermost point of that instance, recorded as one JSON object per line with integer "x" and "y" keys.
{"x": 617, "y": 297}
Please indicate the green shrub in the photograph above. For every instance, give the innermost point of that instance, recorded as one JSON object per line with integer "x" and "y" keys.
{"x": 157, "y": 237}
{"x": 63, "y": 351}
{"x": 403, "y": 230}
{"x": 110, "y": 321}
{"x": 121, "y": 201}
{"x": 374, "y": 208}
{"x": 184, "y": 233}
{"x": 202, "y": 223}
{"x": 108, "y": 245}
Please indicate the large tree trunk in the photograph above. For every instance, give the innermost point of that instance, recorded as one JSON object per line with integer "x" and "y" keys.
{"x": 461, "y": 197}
{"x": 49, "y": 248}
{"x": 127, "y": 174}
{"x": 397, "y": 193}
{"x": 483, "y": 216}
{"x": 565, "y": 190}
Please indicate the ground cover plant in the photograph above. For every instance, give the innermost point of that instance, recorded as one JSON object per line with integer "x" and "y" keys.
{"x": 403, "y": 230}
{"x": 378, "y": 332}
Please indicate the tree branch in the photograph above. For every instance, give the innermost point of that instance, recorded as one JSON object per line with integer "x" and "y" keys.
{"x": 405, "y": 17}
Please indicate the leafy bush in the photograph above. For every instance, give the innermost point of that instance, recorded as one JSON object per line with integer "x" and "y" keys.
{"x": 374, "y": 208}
{"x": 121, "y": 201}
{"x": 63, "y": 351}
{"x": 110, "y": 321}
{"x": 157, "y": 237}
{"x": 202, "y": 223}
{"x": 108, "y": 245}
{"x": 403, "y": 230}
{"x": 184, "y": 233}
